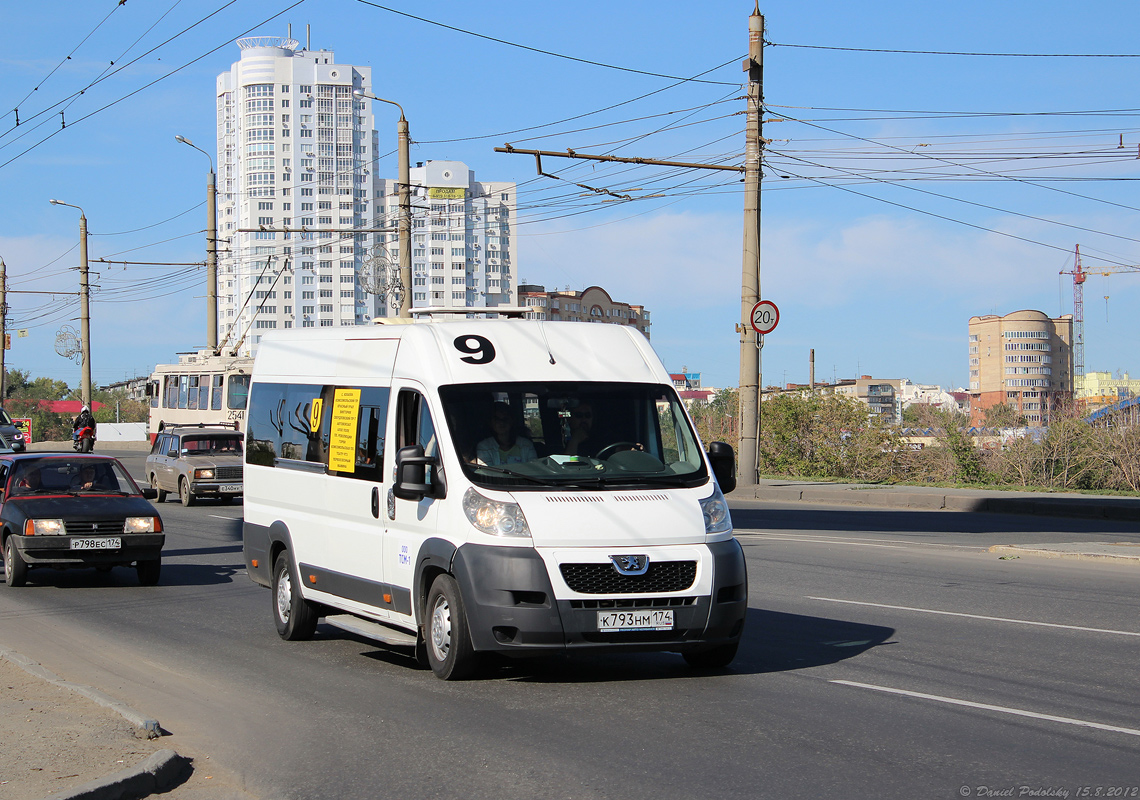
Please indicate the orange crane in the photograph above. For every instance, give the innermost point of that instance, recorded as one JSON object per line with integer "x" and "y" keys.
{"x": 1079, "y": 275}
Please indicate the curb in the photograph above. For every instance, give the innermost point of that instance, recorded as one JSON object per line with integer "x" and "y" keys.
{"x": 159, "y": 771}
{"x": 147, "y": 728}
{"x": 1055, "y": 552}
{"x": 1127, "y": 510}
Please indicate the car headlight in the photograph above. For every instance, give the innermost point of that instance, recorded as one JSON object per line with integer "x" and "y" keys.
{"x": 142, "y": 525}
{"x": 204, "y": 474}
{"x": 493, "y": 517}
{"x": 715, "y": 509}
{"x": 44, "y": 527}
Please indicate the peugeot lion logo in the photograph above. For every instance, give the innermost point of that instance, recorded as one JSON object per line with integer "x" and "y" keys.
{"x": 630, "y": 565}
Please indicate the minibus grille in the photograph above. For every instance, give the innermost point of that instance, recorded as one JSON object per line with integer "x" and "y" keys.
{"x": 635, "y": 602}
{"x": 227, "y": 473}
{"x": 662, "y": 576}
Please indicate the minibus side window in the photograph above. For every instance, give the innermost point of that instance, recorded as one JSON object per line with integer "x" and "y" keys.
{"x": 278, "y": 426}
{"x": 370, "y": 421}
{"x": 414, "y": 426}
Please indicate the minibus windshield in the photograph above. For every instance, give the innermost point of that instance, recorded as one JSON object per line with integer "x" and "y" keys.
{"x": 572, "y": 435}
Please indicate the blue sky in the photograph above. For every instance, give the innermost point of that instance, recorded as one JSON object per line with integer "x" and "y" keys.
{"x": 903, "y": 192}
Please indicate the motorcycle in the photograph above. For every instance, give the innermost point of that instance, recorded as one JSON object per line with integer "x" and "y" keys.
{"x": 85, "y": 439}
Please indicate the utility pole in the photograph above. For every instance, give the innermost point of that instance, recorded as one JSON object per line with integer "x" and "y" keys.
{"x": 211, "y": 250}
{"x": 212, "y": 262}
{"x": 750, "y": 343}
{"x": 84, "y": 298}
{"x": 3, "y": 327}
{"x": 84, "y": 309}
{"x": 405, "y": 228}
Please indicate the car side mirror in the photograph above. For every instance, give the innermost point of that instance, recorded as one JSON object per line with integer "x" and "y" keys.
{"x": 149, "y": 493}
{"x": 723, "y": 461}
{"x": 411, "y": 475}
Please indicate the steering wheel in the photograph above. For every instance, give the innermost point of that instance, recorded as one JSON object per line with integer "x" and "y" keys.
{"x": 610, "y": 449}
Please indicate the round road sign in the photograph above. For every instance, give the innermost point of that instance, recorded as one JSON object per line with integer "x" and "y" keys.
{"x": 765, "y": 317}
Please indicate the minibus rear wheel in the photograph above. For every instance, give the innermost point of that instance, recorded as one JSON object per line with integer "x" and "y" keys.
{"x": 449, "y": 649}
{"x": 295, "y": 617}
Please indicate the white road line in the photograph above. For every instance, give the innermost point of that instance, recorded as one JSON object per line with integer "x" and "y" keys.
{"x": 976, "y": 616}
{"x": 834, "y": 539}
{"x": 986, "y": 707}
{"x": 216, "y": 516}
{"x": 828, "y": 541}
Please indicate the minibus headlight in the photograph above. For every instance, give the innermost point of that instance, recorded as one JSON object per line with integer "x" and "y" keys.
{"x": 715, "y": 509}
{"x": 493, "y": 517}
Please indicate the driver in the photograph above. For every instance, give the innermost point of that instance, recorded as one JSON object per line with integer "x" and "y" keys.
{"x": 581, "y": 441}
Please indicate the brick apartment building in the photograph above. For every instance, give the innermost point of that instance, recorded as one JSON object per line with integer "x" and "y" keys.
{"x": 1024, "y": 359}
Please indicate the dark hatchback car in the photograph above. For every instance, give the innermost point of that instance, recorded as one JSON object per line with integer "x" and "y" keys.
{"x": 63, "y": 511}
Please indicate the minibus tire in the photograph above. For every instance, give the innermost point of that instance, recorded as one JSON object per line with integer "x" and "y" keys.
{"x": 717, "y": 657}
{"x": 449, "y": 650}
{"x": 295, "y": 617}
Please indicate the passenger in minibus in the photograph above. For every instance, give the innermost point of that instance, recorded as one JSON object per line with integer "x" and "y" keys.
{"x": 504, "y": 445}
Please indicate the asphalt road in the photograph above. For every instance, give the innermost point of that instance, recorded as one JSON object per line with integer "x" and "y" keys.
{"x": 886, "y": 655}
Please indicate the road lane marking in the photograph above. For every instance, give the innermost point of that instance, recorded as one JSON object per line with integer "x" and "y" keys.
{"x": 976, "y": 616}
{"x": 232, "y": 519}
{"x": 830, "y": 541}
{"x": 987, "y": 707}
{"x": 836, "y": 540}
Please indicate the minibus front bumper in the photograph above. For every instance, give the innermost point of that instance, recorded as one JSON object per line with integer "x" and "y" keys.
{"x": 511, "y": 607}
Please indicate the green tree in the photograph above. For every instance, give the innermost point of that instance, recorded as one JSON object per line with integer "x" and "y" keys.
{"x": 1002, "y": 415}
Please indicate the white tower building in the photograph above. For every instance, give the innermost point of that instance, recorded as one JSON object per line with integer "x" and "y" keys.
{"x": 294, "y": 151}
{"x": 297, "y": 150}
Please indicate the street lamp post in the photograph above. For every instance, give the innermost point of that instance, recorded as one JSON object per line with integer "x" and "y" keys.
{"x": 211, "y": 251}
{"x": 405, "y": 205}
{"x": 84, "y": 298}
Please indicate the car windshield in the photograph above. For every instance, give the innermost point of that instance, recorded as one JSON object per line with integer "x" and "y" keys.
{"x": 69, "y": 475}
{"x": 572, "y": 435}
{"x": 4, "y": 418}
{"x": 212, "y": 445}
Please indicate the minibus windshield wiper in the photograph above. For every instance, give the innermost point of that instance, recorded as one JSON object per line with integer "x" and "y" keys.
{"x": 513, "y": 474}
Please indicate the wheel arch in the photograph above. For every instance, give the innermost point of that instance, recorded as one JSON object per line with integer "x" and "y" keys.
{"x": 435, "y": 557}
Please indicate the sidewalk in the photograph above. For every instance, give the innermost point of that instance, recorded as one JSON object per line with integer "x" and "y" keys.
{"x": 67, "y": 741}
{"x": 931, "y": 498}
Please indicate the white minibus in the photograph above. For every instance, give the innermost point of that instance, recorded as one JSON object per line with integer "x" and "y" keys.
{"x": 475, "y": 486}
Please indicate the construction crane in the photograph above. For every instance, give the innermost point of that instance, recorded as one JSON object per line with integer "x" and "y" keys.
{"x": 1079, "y": 275}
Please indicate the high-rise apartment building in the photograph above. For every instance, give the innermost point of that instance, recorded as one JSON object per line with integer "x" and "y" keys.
{"x": 300, "y": 207}
{"x": 1023, "y": 359}
{"x": 463, "y": 247}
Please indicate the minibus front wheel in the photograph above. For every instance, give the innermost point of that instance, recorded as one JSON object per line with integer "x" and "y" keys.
{"x": 295, "y": 617}
{"x": 449, "y": 649}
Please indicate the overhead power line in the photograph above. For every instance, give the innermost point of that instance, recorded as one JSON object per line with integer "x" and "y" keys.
{"x": 542, "y": 52}
{"x": 951, "y": 52}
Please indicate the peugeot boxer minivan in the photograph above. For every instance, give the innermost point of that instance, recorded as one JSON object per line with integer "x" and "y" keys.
{"x": 474, "y": 486}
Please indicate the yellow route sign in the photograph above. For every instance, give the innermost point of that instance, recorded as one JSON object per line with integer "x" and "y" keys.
{"x": 342, "y": 431}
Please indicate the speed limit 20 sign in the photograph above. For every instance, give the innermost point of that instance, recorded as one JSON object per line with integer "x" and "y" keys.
{"x": 765, "y": 317}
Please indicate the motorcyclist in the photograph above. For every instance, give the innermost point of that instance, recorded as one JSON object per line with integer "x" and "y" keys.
{"x": 85, "y": 420}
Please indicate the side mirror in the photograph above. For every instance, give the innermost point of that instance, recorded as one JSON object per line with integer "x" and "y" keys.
{"x": 149, "y": 493}
{"x": 411, "y": 475}
{"x": 723, "y": 461}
